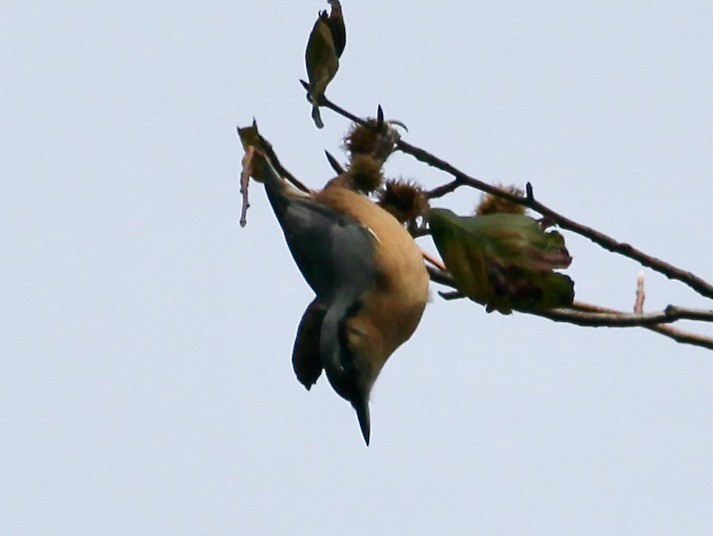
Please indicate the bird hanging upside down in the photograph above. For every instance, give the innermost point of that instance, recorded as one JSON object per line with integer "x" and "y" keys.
{"x": 369, "y": 278}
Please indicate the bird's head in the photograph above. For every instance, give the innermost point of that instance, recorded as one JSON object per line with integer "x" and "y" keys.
{"x": 352, "y": 385}
{"x": 352, "y": 373}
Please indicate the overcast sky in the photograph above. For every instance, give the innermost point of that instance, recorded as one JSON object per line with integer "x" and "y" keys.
{"x": 145, "y": 338}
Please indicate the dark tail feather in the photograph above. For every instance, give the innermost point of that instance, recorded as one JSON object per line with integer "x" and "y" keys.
{"x": 305, "y": 355}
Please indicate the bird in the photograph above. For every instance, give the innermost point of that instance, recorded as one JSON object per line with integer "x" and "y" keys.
{"x": 369, "y": 280}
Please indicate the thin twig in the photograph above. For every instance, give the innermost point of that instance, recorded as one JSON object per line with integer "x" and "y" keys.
{"x": 618, "y": 319}
{"x": 281, "y": 170}
{"x": 678, "y": 335}
{"x": 441, "y": 276}
{"x": 440, "y": 191}
{"x": 687, "y": 313}
{"x": 341, "y": 111}
{"x": 244, "y": 183}
{"x": 683, "y": 337}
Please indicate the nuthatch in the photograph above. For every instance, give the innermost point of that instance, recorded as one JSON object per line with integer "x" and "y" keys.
{"x": 369, "y": 278}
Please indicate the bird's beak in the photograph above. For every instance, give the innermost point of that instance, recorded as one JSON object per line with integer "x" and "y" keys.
{"x": 361, "y": 407}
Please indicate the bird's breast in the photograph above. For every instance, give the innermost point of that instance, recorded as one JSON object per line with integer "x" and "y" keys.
{"x": 391, "y": 309}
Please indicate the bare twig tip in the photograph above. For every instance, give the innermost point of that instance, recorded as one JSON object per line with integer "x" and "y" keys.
{"x": 528, "y": 192}
{"x": 336, "y": 166}
{"x": 379, "y": 117}
{"x": 640, "y": 294}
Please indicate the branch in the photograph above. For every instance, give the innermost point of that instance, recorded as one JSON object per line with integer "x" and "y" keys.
{"x": 624, "y": 249}
{"x": 677, "y": 335}
{"x": 440, "y": 191}
{"x": 461, "y": 179}
{"x": 529, "y": 201}
{"x": 244, "y": 183}
{"x": 583, "y": 314}
{"x": 441, "y": 276}
{"x": 580, "y": 314}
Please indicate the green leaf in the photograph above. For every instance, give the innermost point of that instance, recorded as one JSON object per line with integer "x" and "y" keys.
{"x": 503, "y": 261}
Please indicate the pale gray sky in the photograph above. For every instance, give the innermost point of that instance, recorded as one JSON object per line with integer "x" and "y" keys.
{"x": 145, "y": 377}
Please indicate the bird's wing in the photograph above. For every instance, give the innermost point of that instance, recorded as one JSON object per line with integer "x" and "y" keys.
{"x": 332, "y": 250}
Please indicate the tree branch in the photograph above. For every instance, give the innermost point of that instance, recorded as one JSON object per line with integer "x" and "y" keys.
{"x": 587, "y": 315}
{"x": 580, "y": 314}
{"x": 676, "y": 334}
{"x": 627, "y": 250}
{"x": 610, "y": 244}
{"x": 583, "y": 314}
